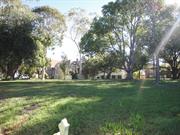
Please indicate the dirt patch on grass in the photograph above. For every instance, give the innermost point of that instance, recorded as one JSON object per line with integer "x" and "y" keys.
{"x": 23, "y": 118}
{"x": 30, "y": 109}
{"x": 10, "y": 130}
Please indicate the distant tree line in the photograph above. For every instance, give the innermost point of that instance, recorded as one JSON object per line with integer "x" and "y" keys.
{"x": 125, "y": 37}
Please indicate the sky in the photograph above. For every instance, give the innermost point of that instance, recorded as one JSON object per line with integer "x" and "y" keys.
{"x": 68, "y": 47}
{"x": 169, "y": 2}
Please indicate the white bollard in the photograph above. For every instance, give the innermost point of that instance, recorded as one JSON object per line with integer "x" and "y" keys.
{"x": 63, "y": 127}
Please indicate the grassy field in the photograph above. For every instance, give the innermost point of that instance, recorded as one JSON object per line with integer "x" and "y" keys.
{"x": 91, "y": 107}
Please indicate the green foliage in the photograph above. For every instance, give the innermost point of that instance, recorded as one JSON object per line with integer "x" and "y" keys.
{"x": 120, "y": 31}
{"x": 27, "y": 69}
{"x": 130, "y": 29}
{"x": 16, "y": 42}
{"x": 99, "y": 45}
{"x": 106, "y": 63}
{"x": 91, "y": 67}
{"x": 171, "y": 54}
{"x": 141, "y": 60}
{"x": 64, "y": 65}
{"x": 51, "y": 26}
{"x": 74, "y": 75}
{"x": 25, "y": 35}
{"x": 97, "y": 40}
{"x": 160, "y": 20}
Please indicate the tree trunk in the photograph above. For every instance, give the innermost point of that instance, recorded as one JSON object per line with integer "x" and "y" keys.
{"x": 174, "y": 73}
{"x": 6, "y": 76}
{"x": 80, "y": 64}
{"x": 10, "y": 72}
{"x": 130, "y": 63}
{"x": 64, "y": 76}
{"x": 43, "y": 73}
{"x": 157, "y": 70}
{"x": 109, "y": 75}
{"x": 174, "y": 67}
{"x": 154, "y": 67}
{"x": 129, "y": 75}
{"x": 178, "y": 75}
{"x": 139, "y": 74}
{"x": 104, "y": 73}
{"x": 10, "y": 75}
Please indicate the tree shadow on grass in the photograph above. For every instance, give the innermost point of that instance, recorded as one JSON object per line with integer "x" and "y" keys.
{"x": 85, "y": 115}
{"x": 40, "y": 89}
{"x": 89, "y": 106}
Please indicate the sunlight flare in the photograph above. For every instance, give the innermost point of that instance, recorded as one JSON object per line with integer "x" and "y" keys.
{"x": 172, "y": 2}
{"x": 166, "y": 38}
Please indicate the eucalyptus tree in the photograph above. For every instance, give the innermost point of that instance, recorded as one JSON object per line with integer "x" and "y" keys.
{"x": 131, "y": 21}
{"x": 100, "y": 44}
{"x": 78, "y": 24}
{"x": 124, "y": 20}
{"x": 49, "y": 30}
{"x": 160, "y": 19}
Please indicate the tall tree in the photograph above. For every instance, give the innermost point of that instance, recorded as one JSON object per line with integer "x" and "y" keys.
{"x": 26, "y": 35}
{"x": 103, "y": 40}
{"x": 16, "y": 40}
{"x": 124, "y": 19}
{"x": 171, "y": 54}
{"x": 159, "y": 22}
{"x": 49, "y": 30}
{"x": 101, "y": 45}
{"x": 79, "y": 23}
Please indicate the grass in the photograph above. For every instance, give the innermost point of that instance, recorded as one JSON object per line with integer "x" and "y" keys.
{"x": 91, "y": 107}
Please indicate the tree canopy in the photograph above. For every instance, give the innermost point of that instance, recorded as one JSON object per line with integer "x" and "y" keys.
{"x": 25, "y": 35}
{"x": 125, "y": 37}
{"x": 132, "y": 30}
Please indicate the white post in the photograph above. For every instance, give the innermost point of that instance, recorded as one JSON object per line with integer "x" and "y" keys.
{"x": 63, "y": 127}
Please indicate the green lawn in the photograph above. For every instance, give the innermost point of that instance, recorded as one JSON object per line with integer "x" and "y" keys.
{"x": 91, "y": 107}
